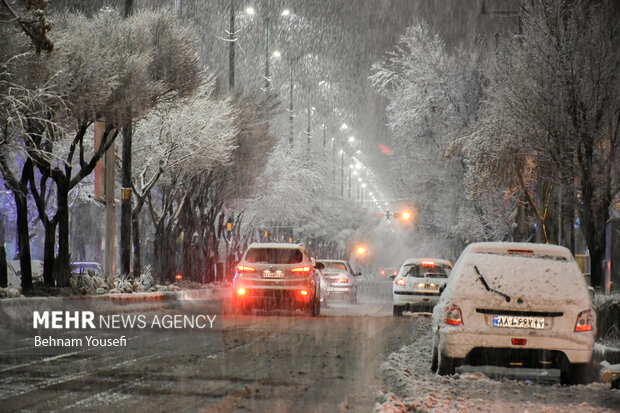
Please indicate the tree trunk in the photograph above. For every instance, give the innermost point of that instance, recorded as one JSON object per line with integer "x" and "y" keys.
{"x": 63, "y": 259}
{"x": 48, "y": 253}
{"x": 135, "y": 234}
{"x": 4, "y": 279}
{"x": 23, "y": 239}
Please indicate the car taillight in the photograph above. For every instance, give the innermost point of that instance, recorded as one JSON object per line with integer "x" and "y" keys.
{"x": 301, "y": 270}
{"x": 382, "y": 272}
{"x": 453, "y": 315}
{"x": 240, "y": 291}
{"x": 395, "y": 273}
{"x": 342, "y": 280}
{"x": 421, "y": 285}
{"x": 401, "y": 282}
{"x": 519, "y": 341}
{"x": 245, "y": 268}
{"x": 428, "y": 263}
{"x": 585, "y": 321}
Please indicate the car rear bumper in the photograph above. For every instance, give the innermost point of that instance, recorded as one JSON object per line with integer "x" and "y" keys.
{"x": 456, "y": 343}
{"x": 273, "y": 297}
{"x": 414, "y": 300}
{"x": 334, "y": 290}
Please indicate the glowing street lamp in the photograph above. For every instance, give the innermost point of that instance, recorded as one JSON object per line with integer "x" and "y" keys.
{"x": 361, "y": 250}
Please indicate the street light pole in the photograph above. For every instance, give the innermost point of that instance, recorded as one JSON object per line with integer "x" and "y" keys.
{"x": 231, "y": 48}
{"x": 349, "y": 181}
{"x": 291, "y": 116}
{"x": 309, "y": 131}
{"x": 267, "y": 36}
{"x": 342, "y": 173}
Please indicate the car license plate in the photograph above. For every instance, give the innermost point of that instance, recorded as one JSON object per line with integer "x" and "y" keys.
{"x": 275, "y": 274}
{"x": 518, "y": 322}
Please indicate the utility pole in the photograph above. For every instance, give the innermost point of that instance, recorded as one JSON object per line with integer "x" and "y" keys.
{"x": 125, "y": 244}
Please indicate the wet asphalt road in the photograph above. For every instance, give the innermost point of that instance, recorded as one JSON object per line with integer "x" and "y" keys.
{"x": 278, "y": 362}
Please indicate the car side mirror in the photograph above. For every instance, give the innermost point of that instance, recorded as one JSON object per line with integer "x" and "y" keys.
{"x": 319, "y": 266}
{"x": 441, "y": 288}
{"x": 392, "y": 277}
{"x": 357, "y": 274}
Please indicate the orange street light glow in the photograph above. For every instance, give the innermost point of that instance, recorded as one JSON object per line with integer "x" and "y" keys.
{"x": 361, "y": 250}
{"x": 406, "y": 215}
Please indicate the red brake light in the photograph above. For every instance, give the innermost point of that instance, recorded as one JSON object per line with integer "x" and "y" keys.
{"x": 342, "y": 280}
{"x": 453, "y": 315}
{"x": 428, "y": 263}
{"x": 301, "y": 269}
{"x": 395, "y": 273}
{"x": 241, "y": 291}
{"x": 303, "y": 292}
{"x": 518, "y": 341}
{"x": 179, "y": 277}
{"x": 585, "y": 321}
{"x": 245, "y": 268}
{"x": 382, "y": 272}
{"x": 401, "y": 282}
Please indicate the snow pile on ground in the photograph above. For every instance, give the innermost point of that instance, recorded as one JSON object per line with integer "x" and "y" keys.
{"x": 410, "y": 386}
{"x": 10, "y": 292}
{"x": 95, "y": 283}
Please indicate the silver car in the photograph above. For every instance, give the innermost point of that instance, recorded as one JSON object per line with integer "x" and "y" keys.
{"x": 340, "y": 282}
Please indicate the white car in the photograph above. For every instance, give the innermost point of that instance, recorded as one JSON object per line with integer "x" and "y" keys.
{"x": 515, "y": 305}
{"x": 419, "y": 283}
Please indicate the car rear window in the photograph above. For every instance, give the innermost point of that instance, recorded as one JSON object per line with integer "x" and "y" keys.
{"x": 335, "y": 266}
{"x": 274, "y": 255}
{"x": 418, "y": 270}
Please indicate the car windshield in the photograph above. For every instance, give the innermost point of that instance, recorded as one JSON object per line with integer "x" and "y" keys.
{"x": 274, "y": 255}
{"x": 426, "y": 270}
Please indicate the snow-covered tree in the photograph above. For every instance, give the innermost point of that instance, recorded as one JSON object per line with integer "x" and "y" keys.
{"x": 183, "y": 137}
{"x": 106, "y": 68}
{"x": 552, "y": 119}
{"x": 433, "y": 99}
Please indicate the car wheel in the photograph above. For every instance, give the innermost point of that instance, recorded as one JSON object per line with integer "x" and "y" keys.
{"x": 578, "y": 373}
{"x": 434, "y": 360}
{"x": 397, "y": 310}
{"x": 445, "y": 364}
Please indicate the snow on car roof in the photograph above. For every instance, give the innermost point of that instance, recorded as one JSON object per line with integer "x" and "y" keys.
{"x": 539, "y": 250}
{"x": 274, "y": 245}
{"x": 419, "y": 260}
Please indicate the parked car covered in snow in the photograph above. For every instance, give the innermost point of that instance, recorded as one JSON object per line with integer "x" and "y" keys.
{"x": 515, "y": 305}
